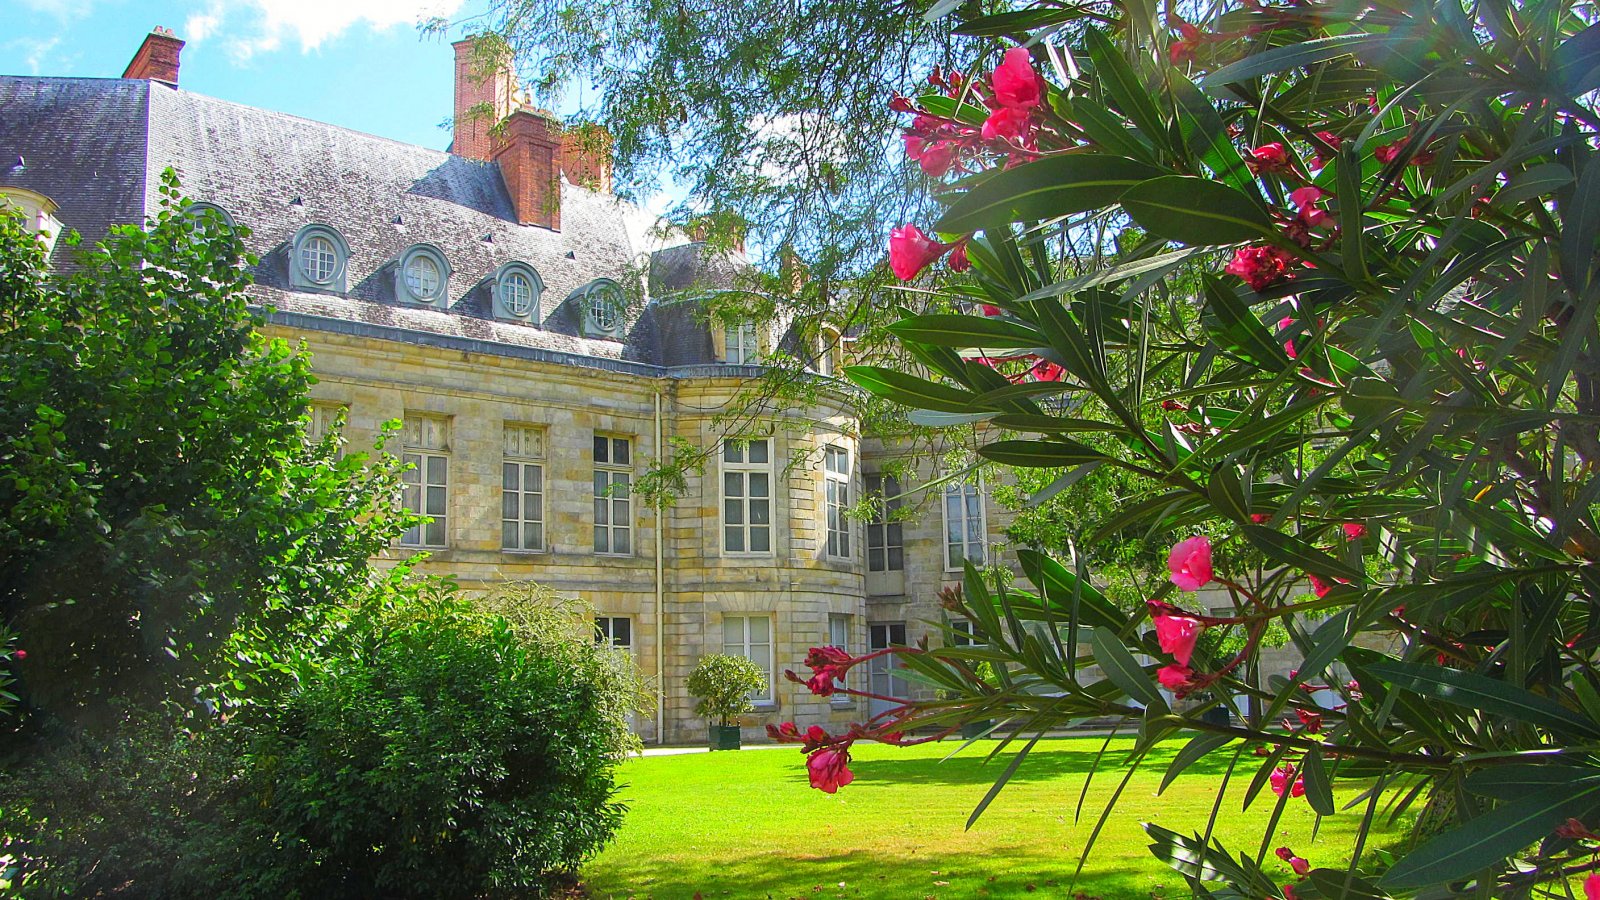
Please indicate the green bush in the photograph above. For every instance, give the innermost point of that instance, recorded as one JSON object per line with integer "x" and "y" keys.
{"x": 723, "y": 685}
{"x": 435, "y": 750}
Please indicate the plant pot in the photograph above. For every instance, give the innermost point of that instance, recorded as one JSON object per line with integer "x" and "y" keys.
{"x": 971, "y": 730}
{"x": 724, "y": 737}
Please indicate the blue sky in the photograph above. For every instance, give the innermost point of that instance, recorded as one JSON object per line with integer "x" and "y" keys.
{"x": 357, "y": 63}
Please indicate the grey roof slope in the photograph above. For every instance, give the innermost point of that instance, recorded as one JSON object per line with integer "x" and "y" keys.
{"x": 83, "y": 143}
{"x": 97, "y": 146}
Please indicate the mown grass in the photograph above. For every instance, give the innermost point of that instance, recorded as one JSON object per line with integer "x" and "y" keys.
{"x": 747, "y": 824}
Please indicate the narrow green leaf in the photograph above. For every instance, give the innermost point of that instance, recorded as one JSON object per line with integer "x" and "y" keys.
{"x": 1195, "y": 211}
{"x": 1041, "y": 454}
{"x": 1120, "y": 667}
{"x": 1486, "y": 695}
{"x": 1198, "y": 747}
{"x": 1319, "y": 791}
{"x": 994, "y": 790}
{"x": 1516, "y": 780}
{"x": 1127, "y": 90}
{"x": 945, "y": 330}
{"x": 917, "y": 393}
{"x": 1280, "y": 59}
{"x": 1065, "y": 590}
{"x": 1292, "y": 551}
{"x": 1489, "y": 838}
{"x": 1050, "y": 187}
{"x": 1336, "y": 884}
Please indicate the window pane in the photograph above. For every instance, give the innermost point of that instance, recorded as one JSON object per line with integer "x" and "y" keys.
{"x": 619, "y": 540}
{"x": 758, "y": 452}
{"x": 508, "y": 535}
{"x": 601, "y": 545}
{"x": 435, "y": 532}
{"x": 622, "y": 632}
{"x": 532, "y": 478}
{"x": 508, "y": 476}
{"x": 602, "y": 511}
{"x": 759, "y": 512}
{"x": 897, "y": 559}
{"x": 533, "y": 536}
{"x": 874, "y": 559}
{"x": 759, "y": 484}
{"x": 732, "y": 484}
{"x": 733, "y": 632}
{"x": 760, "y": 540}
{"x": 413, "y": 535}
{"x": 732, "y": 512}
{"x": 619, "y": 451}
{"x": 510, "y": 507}
{"x": 619, "y": 486}
{"x": 733, "y": 539}
{"x": 601, "y": 448}
{"x": 437, "y": 466}
{"x": 435, "y": 501}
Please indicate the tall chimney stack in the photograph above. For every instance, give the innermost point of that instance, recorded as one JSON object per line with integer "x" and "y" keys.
{"x": 157, "y": 59}
{"x": 528, "y": 151}
{"x": 484, "y": 96}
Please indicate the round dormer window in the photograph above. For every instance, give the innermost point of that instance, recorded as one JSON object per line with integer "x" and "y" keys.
{"x": 422, "y": 276}
{"x": 517, "y": 288}
{"x": 603, "y": 310}
{"x": 319, "y": 259}
{"x": 518, "y": 294}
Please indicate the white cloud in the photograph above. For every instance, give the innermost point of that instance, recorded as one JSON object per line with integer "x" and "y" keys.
{"x": 36, "y": 52}
{"x": 262, "y": 26}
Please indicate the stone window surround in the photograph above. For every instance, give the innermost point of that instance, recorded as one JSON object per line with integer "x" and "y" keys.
{"x": 836, "y": 499}
{"x": 499, "y": 290}
{"x": 746, "y": 469}
{"x": 402, "y": 288}
{"x": 301, "y": 279}
{"x": 965, "y": 490}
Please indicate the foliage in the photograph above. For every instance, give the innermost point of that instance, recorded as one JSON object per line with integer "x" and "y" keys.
{"x": 1389, "y": 388}
{"x": 724, "y": 685}
{"x": 433, "y": 748}
{"x": 158, "y": 491}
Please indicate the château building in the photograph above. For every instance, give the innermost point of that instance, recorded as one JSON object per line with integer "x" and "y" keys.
{"x": 542, "y": 344}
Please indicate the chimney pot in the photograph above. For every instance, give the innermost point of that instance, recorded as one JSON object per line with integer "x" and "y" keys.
{"x": 157, "y": 58}
{"x": 528, "y": 151}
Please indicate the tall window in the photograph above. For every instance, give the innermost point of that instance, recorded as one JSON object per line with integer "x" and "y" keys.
{"x": 522, "y": 489}
{"x": 751, "y": 638}
{"x": 614, "y": 630}
{"x": 613, "y": 483}
{"x": 839, "y": 636}
{"x": 425, "y": 486}
{"x": 741, "y": 344}
{"x": 885, "y": 543}
{"x": 747, "y": 496}
{"x": 963, "y": 633}
{"x": 965, "y": 534}
{"x": 325, "y": 420}
{"x": 836, "y": 475}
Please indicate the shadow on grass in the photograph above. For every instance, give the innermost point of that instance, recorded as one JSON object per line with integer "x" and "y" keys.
{"x": 1004, "y": 874}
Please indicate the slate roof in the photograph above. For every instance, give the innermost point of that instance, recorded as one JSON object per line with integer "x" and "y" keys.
{"x": 82, "y": 142}
{"x": 97, "y": 146}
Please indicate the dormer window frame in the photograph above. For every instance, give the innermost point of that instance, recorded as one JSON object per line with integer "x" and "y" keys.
{"x": 417, "y": 254}
{"x": 507, "y": 304}
{"x": 601, "y": 294}
{"x": 321, "y": 239}
{"x": 38, "y": 210}
{"x": 199, "y": 209}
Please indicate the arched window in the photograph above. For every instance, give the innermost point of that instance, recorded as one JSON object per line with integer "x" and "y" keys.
{"x": 38, "y": 213}
{"x": 207, "y": 213}
{"x": 601, "y": 309}
{"x": 423, "y": 275}
{"x": 517, "y": 289}
{"x": 317, "y": 259}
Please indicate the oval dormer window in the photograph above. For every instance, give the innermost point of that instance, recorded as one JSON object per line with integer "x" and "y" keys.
{"x": 601, "y": 307}
{"x": 424, "y": 275}
{"x": 317, "y": 259}
{"x": 38, "y": 213}
{"x": 209, "y": 215}
{"x": 517, "y": 288}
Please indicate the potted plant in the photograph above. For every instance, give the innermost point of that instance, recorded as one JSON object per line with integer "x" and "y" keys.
{"x": 723, "y": 685}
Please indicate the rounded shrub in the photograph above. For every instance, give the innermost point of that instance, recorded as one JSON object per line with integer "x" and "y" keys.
{"x": 440, "y": 752}
{"x": 723, "y": 684}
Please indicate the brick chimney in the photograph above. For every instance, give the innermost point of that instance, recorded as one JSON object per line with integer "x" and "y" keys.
{"x": 157, "y": 59}
{"x": 478, "y": 88}
{"x": 528, "y": 150}
{"x": 586, "y": 157}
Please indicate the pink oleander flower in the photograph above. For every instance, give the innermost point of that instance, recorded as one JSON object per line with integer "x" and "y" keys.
{"x": 1175, "y": 678}
{"x": 1332, "y": 140}
{"x": 991, "y": 310}
{"x": 1189, "y": 563}
{"x": 1260, "y": 267}
{"x": 829, "y": 769}
{"x": 1280, "y": 782}
{"x": 1045, "y": 370}
{"x": 1311, "y": 721}
{"x": 826, "y": 656}
{"x": 1591, "y": 886}
{"x": 1016, "y": 85}
{"x": 911, "y": 251}
{"x": 1305, "y": 202}
{"x": 1268, "y": 158}
{"x": 1300, "y": 866}
{"x": 1177, "y": 635}
{"x": 1284, "y": 324}
{"x": 1354, "y": 531}
{"x": 1260, "y": 518}
{"x": 822, "y": 680}
{"x": 1182, "y": 50}
{"x": 1320, "y": 587}
{"x": 900, "y": 103}
{"x": 958, "y": 258}
{"x": 20, "y": 655}
{"x": 1005, "y": 123}
{"x": 1288, "y": 892}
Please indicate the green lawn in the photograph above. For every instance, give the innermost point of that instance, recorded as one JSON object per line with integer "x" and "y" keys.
{"x": 747, "y": 824}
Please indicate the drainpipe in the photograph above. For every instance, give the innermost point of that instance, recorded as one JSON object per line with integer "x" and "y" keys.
{"x": 661, "y": 615}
